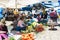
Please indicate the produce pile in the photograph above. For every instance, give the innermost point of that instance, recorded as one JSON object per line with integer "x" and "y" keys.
{"x": 32, "y": 27}
{"x": 39, "y": 28}
{"x": 28, "y": 36}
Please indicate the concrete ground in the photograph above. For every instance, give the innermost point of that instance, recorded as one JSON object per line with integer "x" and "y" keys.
{"x": 49, "y": 35}
{"x": 45, "y": 35}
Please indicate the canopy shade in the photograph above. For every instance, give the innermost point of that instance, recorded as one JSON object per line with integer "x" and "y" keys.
{"x": 18, "y": 3}
{"x": 21, "y": 3}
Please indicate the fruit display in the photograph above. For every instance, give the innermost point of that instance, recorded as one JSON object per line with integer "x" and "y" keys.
{"x": 34, "y": 24}
{"x": 11, "y": 38}
{"x": 30, "y": 28}
{"x": 39, "y": 28}
{"x": 28, "y": 36}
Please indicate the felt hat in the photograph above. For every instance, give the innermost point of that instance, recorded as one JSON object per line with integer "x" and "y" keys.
{"x": 3, "y": 21}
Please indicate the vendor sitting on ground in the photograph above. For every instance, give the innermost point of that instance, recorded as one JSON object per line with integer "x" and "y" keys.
{"x": 39, "y": 17}
{"x": 21, "y": 25}
{"x": 3, "y": 30}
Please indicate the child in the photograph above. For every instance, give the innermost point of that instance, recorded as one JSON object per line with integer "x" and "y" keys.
{"x": 3, "y": 31}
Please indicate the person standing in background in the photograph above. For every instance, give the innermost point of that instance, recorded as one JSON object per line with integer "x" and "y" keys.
{"x": 53, "y": 15}
{"x": 16, "y": 14}
{"x": 44, "y": 13}
{"x": 39, "y": 17}
{"x": 15, "y": 11}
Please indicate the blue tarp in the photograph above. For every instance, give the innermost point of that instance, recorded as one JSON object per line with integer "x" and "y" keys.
{"x": 58, "y": 11}
{"x": 1, "y": 16}
{"x": 49, "y": 6}
{"x": 59, "y": 2}
{"x": 28, "y": 8}
{"x": 1, "y": 10}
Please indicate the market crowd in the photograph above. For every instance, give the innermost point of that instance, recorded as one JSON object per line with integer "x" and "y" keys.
{"x": 22, "y": 19}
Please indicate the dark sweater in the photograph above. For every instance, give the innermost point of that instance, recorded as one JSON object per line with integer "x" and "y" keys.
{"x": 3, "y": 28}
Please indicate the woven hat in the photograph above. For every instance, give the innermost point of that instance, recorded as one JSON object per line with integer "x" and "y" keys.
{"x": 3, "y": 21}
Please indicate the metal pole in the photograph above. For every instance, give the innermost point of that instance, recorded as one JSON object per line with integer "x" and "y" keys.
{"x": 16, "y": 4}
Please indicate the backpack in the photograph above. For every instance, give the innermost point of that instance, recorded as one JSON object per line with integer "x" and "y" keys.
{"x": 54, "y": 15}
